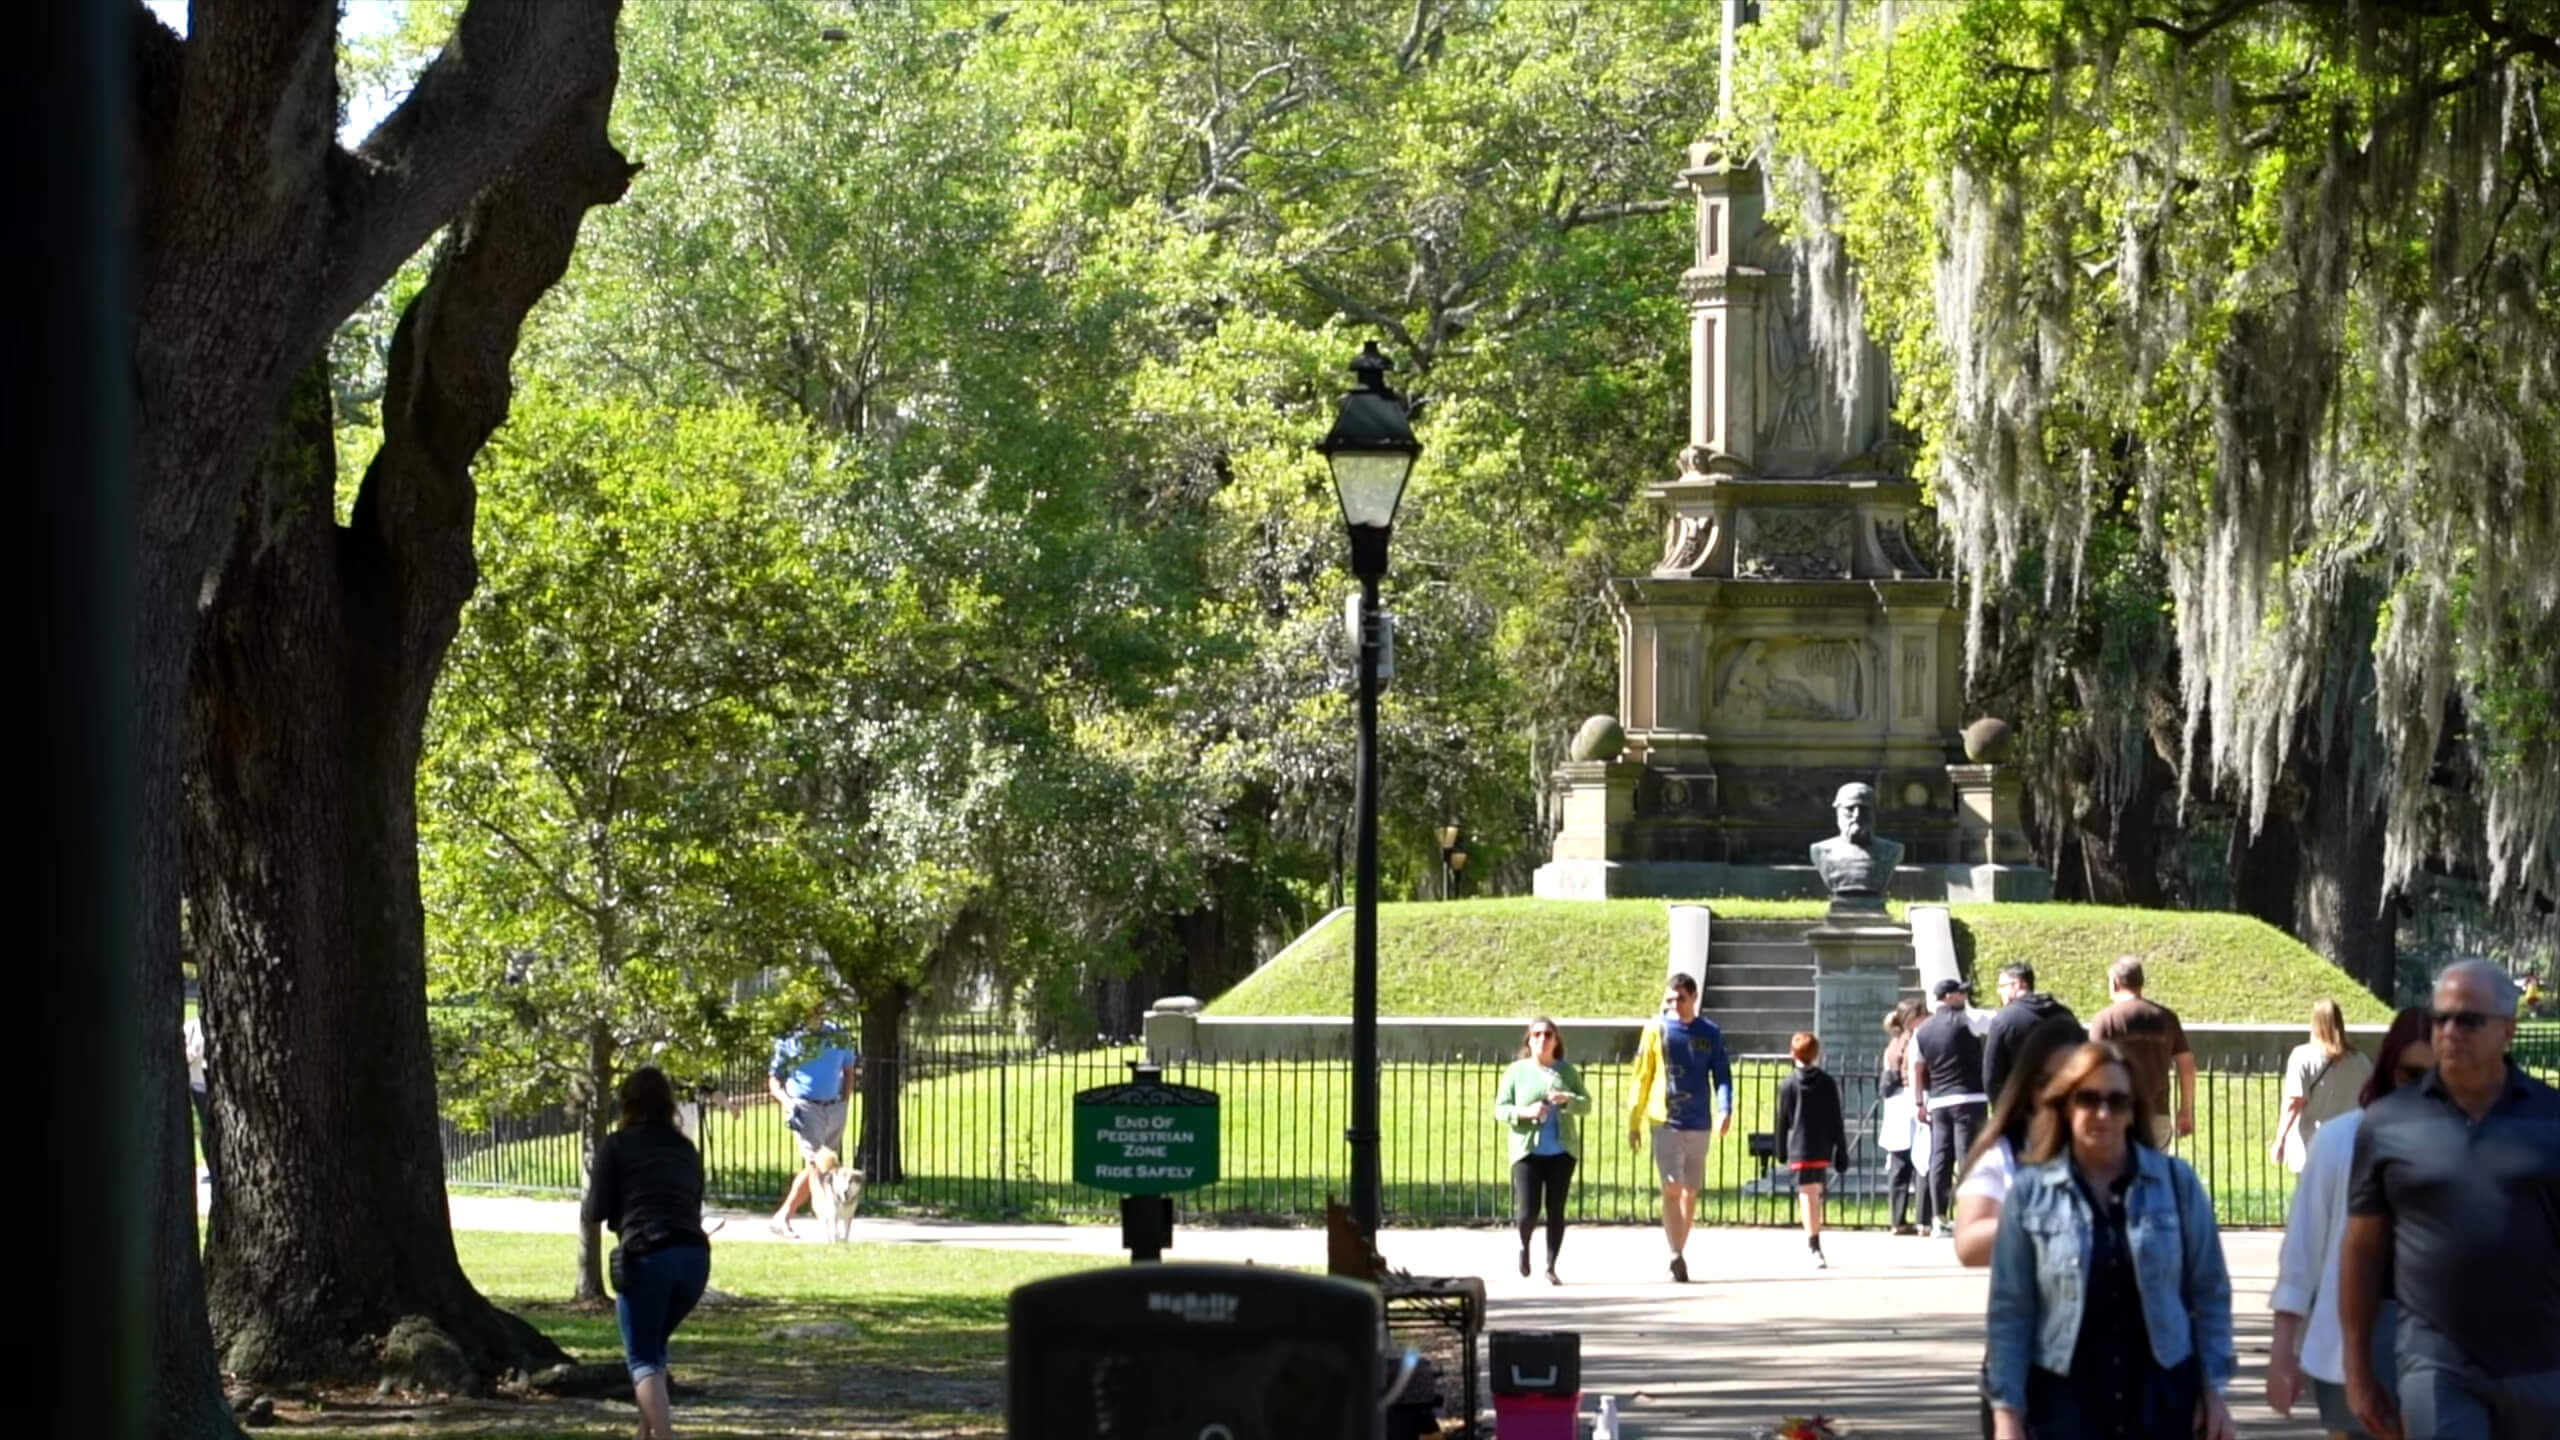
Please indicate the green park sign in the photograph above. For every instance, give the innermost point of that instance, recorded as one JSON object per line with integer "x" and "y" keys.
{"x": 1146, "y": 1138}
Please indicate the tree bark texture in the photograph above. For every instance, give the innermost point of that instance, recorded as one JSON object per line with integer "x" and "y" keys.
{"x": 2119, "y": 839}
{"x": 254, "y": 236}
{"x": 2341, "y": 907}
{"x": 596, "y": 1110}
{"x": 305, "y": 720}
{"x": 884, "y": 1059}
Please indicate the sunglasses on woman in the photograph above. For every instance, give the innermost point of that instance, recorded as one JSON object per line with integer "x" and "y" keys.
{"x": 2409, "y": 1074}
{"x": 2103, "y": 1102}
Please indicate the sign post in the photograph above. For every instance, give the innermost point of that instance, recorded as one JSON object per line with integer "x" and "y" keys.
{"x": 1147, "y": 1141}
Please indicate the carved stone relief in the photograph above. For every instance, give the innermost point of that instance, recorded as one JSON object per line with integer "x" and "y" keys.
{"x": 1686, "y": 540}
{"x": 1803, "y": 428}
{"x": 1893, "y": 541}
{"x": 1792, "y": 542}
{"x": 1817, "y": 679}
{"x": 1915, "y": 677}
{"x": 1675, "y": 678}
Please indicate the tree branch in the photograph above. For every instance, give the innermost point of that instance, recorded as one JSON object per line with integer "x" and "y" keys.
{"x": 511, "y": 68}
{"x": 1352, "y": 305}
{"x": 2197, "y": 31}
{"x": 550, "y": 880}
{"x": 2514, "y": 38}
{"x": 1418, "y": 35}
{"x": 447, "y": 385}
{"x": 1581, "y": 215}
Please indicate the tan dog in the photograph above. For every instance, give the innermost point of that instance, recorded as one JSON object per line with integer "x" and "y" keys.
{"x": 835, "y": 1194}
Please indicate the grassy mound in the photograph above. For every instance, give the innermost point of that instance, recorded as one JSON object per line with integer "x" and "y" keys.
{"x": 1585, "y": 958}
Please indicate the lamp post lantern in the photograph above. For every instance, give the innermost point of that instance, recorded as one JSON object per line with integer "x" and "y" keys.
{"x": 1371, "y": 450}
{"x": 1453, "y": 860}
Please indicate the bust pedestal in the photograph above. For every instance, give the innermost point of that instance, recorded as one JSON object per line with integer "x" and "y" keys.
{"x": 1858, "y": 959}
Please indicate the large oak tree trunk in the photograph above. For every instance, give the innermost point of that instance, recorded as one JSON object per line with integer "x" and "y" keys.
{"x": 307, "y": 711}
{"x": 884, "y": 1058}
{"x": 254, "y": 236}
{"x": 302, "y": 880}
{"x": 2341, "y": 906}
{"x": 2119, "y": 840}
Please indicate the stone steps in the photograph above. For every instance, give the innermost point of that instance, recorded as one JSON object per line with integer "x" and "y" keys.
{"x": 1760, "y": 984}
{"x": 1722, "y": 975}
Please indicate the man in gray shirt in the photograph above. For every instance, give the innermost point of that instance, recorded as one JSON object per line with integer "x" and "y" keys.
{"x": 2455, "y": 1200}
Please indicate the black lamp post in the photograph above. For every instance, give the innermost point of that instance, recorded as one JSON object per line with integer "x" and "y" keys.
{"x": 1453, "y": 859}
{"x": 1371, "y": 450}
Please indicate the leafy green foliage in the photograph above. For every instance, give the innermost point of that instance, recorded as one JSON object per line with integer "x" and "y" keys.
{"x": 1068, "y": 288}
{"x": 649, "y": 588}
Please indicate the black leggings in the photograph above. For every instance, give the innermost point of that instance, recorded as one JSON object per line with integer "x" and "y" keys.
{"x": 1902, "y": 1181}
{"x": 1533, "y": 1177}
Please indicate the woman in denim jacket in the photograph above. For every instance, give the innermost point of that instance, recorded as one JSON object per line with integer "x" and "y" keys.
{"x": 2110, "y": 1312}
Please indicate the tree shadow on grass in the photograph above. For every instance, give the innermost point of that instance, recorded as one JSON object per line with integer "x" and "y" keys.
{"x": 882, "y": 1366}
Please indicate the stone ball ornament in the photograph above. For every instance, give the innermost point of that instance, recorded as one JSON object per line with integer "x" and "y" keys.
{"x": 1986, "y": 741}
{"x": 1600, "y": 738}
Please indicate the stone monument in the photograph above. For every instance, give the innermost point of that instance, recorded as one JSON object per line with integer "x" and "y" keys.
{"x": 1793, "y": 638}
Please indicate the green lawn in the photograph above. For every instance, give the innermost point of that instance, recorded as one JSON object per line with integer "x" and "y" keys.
{"x": 1586, "y": 958}
{"x": 995, "y": 1141}
{"x": 849, "y": 1340}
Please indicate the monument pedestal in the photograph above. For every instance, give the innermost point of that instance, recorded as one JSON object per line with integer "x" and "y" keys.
{"x": 1858, "y": 959}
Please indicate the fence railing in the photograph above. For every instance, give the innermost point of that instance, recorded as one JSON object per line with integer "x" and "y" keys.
{"x": 985, "y": 1132}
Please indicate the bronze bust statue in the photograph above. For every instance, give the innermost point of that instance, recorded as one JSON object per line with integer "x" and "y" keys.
{"x": 1855, "y": 865}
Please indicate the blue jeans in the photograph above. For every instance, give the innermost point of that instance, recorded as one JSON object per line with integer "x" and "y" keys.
{"x": 658, "y": 1290}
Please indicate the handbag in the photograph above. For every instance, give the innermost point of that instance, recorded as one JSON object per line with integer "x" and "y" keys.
{"x": 613, "y": 1268}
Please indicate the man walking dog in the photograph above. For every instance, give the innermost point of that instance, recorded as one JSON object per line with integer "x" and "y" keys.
{"x": 811, "y": 1076}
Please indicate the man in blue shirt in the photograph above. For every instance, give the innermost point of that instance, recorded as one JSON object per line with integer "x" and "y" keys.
{"x": 1680, "y": 1052}
{"x": 811, "y": 1076}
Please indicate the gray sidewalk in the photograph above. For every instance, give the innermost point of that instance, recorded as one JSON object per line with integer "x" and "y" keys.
{"x": 1887, "y": 1340}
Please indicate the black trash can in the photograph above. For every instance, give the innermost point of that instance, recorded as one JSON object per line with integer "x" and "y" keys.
{"x": 1233, "y": 1351}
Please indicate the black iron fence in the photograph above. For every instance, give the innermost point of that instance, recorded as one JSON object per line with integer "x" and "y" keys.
{"x": 985, "y": 1132}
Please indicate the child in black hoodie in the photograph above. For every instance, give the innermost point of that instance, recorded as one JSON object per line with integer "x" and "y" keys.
{"x": 1813, "y": 1134}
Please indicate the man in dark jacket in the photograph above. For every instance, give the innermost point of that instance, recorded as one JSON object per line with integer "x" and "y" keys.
{"x": 2021, "y": 1009}
{"x": 1947, "y": 1091}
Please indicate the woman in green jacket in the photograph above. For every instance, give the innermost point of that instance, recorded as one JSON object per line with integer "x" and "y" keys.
{"x": 1542, "y": 1099}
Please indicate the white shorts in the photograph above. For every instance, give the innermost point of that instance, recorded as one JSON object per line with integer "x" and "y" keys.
{"x": 1681, "y": 1156}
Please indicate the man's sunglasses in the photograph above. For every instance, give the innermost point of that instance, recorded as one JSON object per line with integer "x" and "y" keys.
{"x": 2103, "y": 1102}
{"x": 2460, "y": 1019}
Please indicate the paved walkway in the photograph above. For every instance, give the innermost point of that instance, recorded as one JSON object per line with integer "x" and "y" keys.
{"x": 1888, "y": 1339}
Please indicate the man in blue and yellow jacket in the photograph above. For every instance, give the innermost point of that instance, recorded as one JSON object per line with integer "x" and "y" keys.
{"x": 1680, "y": 1052}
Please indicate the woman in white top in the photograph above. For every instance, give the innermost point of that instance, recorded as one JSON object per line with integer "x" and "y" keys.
{"x": 2322, "y": 1078}
{"x": 2308, "y": 1340}
{"x": 1994, "y": 1161}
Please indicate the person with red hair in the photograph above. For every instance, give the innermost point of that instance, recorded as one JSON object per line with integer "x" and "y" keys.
{"x": 1812, "y": 1130}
